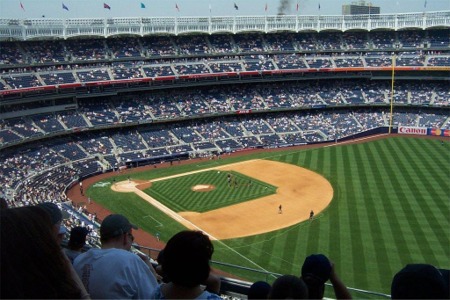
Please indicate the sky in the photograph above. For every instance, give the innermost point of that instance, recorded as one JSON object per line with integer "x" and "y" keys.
{"x": 27, "y": 9}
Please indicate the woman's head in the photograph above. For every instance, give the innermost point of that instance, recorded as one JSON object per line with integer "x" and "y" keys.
{"x": 186, "y": 258}
{"x": 32, "y": 263}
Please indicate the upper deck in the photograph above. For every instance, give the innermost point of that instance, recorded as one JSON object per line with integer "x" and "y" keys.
{"x": 45, "y": 28}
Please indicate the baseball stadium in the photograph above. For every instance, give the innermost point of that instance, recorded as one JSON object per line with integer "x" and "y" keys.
{"x": 278, "y": 136}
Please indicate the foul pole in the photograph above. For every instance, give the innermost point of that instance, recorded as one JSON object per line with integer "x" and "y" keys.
{"x": 392, "y": 92}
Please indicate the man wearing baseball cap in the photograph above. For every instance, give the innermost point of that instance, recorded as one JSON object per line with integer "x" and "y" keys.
{"x": 318, "y": 269}
{"x": 113, "y": 271}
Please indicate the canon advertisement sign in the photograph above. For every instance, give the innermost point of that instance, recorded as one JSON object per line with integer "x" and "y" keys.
{"x": 412, "y": 130}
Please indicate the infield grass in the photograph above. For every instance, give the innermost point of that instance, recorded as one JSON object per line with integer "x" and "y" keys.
{"x": 390, "y": 208}
{"x": 240, "y": 188}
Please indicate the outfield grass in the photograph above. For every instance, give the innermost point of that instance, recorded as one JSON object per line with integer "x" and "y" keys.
{"x": 390, "y": 208}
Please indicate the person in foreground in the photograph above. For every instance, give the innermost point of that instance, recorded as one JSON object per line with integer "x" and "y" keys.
{"x": 76, "y": 242}
{"x": 186, "y": 266}
{"x": 420, "y": 281}
{"x": 113, "y": 271}
{"x": 259, "y": 290}
{"x": 318, "y": 269}
{"x": 32, "y": 262}
{"x": 288, "y": 287}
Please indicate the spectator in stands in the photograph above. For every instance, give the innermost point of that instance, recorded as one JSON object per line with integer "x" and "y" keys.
{"x": 288, "y": 287}
{"x": 32, "y": 263}
{"x": 3, "y": 203}
{"x": 158, "y": 268}
{"x": 420, "y": 281}
{"x": 55, "y": 215}
{"x": 318, "y": 269}
{"x": 186, "y": 264}
{"x": 212, "y": 283}
{"x": 113, "y": 271}
{"x": 61, "y": 234}
{"x": 259, "y": 290}
{"x": 76, "y": 242}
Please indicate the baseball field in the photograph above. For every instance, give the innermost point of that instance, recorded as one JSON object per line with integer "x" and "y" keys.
{"x": 378, "y": 206}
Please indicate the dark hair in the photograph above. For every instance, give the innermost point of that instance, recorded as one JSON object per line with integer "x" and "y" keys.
{"x": 316, "y": 287}
{"x": 77, "y": 237}
{"x": 186, "y": 258}
{"x": 259, "y": 290}
{"x": 288, "y": 287}
{"x": 32, "y": 263}
{"x": 419, "y": 281}
{"x": 3, "y": 203}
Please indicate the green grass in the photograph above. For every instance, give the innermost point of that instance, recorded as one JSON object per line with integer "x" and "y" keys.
{"x": 186, "y": 199}
{"x": 390, "y": 207}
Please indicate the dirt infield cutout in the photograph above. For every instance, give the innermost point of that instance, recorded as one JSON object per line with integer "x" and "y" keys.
{"x": 299, "y": 191}
{"x": 203, "y": 188}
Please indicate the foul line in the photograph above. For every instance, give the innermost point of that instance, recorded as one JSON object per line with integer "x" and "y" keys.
{"x": 187, "y": 223}
{"x": 356, "y": 140}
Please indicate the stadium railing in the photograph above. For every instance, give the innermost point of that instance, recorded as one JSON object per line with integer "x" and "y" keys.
{"x": 236, "y": 286}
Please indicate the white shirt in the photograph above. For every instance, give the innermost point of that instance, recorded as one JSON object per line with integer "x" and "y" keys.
{"x": 115, "y": 273}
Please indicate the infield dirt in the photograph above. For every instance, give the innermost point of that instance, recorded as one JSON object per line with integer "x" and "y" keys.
{"x": 299, "y": 191}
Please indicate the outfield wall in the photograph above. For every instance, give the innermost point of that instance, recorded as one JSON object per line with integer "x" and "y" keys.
{"x": 423, "y": 131}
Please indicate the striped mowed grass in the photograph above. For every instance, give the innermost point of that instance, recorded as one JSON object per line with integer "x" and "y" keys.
{"x": 177, "y": 194}
{"x": 390, "y": 208}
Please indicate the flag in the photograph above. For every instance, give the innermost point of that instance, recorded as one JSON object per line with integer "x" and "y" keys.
{"x": 425, "y": 4}
{"x": 236, "y": 7}
{"x": 297, "y": 7}
{"x": 65, "y": 7}
{"x": 21, "y": 6}
{"x": 106, "y": 6}
{"x": 142, "y": 5}
{"x": 319, "y": 6}
{"x": 265, "y": 7}
{"x": 176, "y": 6}
{"x": 209, "y": 8}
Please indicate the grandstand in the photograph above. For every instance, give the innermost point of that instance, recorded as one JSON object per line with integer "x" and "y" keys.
{"x": 81, "y": 97}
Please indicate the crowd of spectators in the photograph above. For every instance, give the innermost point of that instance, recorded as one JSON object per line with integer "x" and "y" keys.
{"x": 13, "y": 79}
{"x": 96, "y": 151}
{"x": 119, "y": 58}
{"x": 51, "y": 167}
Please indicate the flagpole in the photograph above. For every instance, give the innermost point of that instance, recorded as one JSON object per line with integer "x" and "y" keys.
{"x": 176, "y": 17}
{"x": 210, "y": 13}
{"x": 266, "y": 26}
